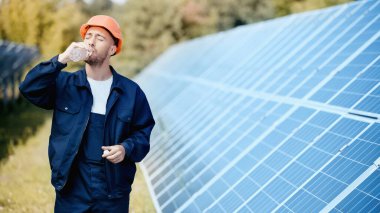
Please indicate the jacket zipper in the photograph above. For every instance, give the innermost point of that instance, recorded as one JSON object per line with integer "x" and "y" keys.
{"x": 107, "y": 163}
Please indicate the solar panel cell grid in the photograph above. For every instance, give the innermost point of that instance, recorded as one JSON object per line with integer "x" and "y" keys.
{"x": 281, "y": 116}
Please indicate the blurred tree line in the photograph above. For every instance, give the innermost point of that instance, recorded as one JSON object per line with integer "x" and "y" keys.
{"x": 48, "y": 24}
{"x": 149, "y": 26}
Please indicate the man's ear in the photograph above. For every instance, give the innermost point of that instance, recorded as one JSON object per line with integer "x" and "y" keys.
{"x": 112, "y": 50}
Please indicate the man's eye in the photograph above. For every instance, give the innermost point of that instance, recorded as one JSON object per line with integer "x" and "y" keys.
{"x": 100, "y": 39}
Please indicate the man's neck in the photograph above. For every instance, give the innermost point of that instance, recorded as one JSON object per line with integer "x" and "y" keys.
{"x": 99, "y": 72}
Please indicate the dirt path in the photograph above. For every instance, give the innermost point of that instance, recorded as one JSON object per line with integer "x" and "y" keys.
{"x": 25, "y": 179}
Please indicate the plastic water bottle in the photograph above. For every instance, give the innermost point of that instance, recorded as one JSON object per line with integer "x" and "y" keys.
{"x": 78, "y": 54}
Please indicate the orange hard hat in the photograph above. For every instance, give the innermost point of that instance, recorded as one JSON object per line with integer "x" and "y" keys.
{"x": 106, "y": 22}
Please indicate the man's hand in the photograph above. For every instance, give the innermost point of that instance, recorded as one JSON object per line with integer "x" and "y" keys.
{"x": 116, "y": 153}
{"x": 65, "y": 56}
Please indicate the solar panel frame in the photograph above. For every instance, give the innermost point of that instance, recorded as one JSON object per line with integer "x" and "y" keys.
{"x": 271, "y": 130}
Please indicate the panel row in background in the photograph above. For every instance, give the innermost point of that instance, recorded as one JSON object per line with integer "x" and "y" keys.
{"x": 280, "y": 115}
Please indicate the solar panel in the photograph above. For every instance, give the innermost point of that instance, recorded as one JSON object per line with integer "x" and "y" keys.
{"x": 13, "y": 60}
{"x": 282, "y": 115}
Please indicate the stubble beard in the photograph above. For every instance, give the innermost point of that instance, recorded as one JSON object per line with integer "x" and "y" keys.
{"x": 96, "y": 61}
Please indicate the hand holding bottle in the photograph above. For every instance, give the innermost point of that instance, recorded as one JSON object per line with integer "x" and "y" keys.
{"x": 77, "y": 51}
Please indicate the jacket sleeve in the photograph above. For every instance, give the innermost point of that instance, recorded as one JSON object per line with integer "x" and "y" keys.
{"x": 39, "y": 85}
{"x": 137, "y": 145}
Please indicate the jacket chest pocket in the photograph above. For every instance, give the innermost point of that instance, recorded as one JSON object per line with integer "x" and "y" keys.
{"x": 65, "y": 115}
{"x": 123, "y": 126}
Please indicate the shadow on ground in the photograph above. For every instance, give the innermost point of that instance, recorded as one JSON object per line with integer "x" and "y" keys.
{"x": 18, "y": 121}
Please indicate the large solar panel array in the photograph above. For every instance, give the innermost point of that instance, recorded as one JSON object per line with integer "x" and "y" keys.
{"x": 13, "y": 60}
{"x": 281, "y": 115}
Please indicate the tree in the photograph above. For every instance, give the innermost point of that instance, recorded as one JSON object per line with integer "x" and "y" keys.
{"x": 152, "y": 26}
{"x": 149, "y": 28}
{"x": 48, "y": 24}
{"x": 96, "y": 7}
{"x": 62, "y": 28}
{"x": 286, "y": 7}
{"x": 232, "y": 13}
{"x": 14, "y": 26}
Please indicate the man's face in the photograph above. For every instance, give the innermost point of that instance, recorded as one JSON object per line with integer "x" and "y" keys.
{"x": 102, "y": 44}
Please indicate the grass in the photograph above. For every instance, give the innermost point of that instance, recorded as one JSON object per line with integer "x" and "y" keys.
{"x": 25, "y": 179}
{"x": 18, "y": 121}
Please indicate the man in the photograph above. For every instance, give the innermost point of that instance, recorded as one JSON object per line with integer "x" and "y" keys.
{"x": 101, "y": 122}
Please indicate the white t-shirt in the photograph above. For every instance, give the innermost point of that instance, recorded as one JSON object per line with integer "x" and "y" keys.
{"x": 100, "y": 92}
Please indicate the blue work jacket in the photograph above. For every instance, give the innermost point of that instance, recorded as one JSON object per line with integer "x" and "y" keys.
{"x": 128, "y": 122}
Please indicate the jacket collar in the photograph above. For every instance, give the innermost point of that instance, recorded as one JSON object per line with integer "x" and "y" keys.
{"x": 81, "y": 80}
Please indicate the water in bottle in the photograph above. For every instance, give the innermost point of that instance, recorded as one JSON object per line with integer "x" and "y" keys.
{"x": 78, "y": 54}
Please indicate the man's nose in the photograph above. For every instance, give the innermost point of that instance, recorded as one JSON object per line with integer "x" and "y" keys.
{"x": 90, "y": 42}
